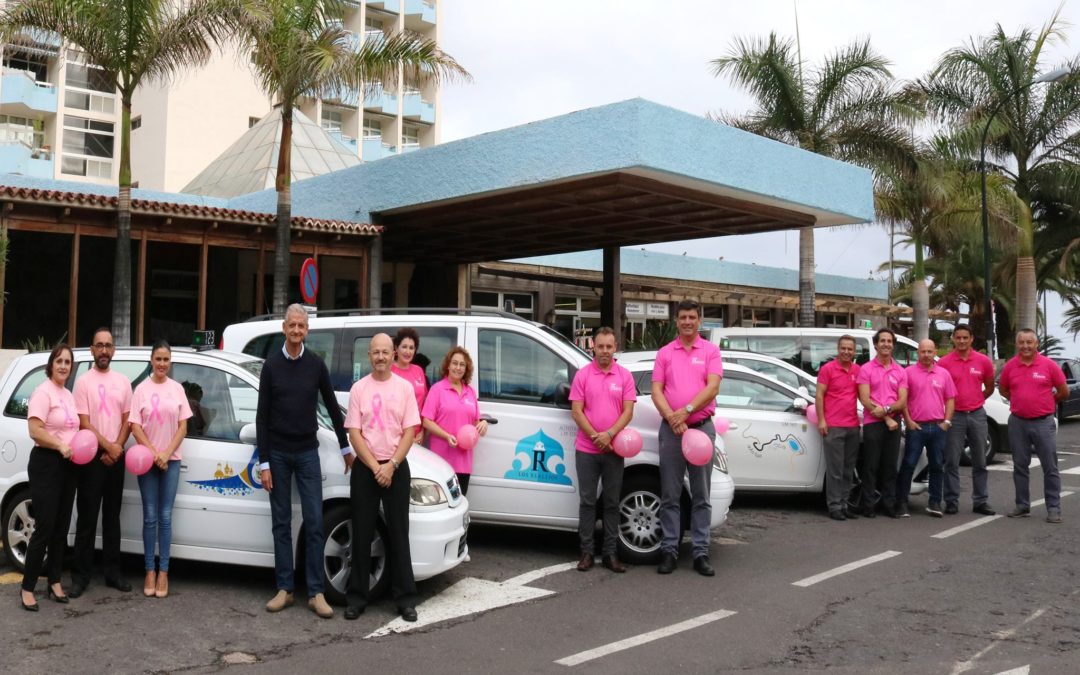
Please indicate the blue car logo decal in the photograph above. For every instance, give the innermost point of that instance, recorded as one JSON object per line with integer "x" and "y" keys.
{"x": 230, "y": 484}
{"x": 541, "y": 459}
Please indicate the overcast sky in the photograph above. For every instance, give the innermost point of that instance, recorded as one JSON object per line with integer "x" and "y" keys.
{"x": 534, "y": 60}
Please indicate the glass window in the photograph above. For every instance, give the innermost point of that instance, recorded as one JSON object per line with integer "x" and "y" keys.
{"x": 220, "y": 404}
{"x": 19, "y": 402}
{"x": 22, "y": 129}
{"x": 484, "y": 299}
{"x": 518, "y": 369}
{"x": 734, "y": 343}
{"x": 777, "y": 372}
{"x": 435, "y": 341}
{"x": 590, "y": 304}
{"x": 738, "y": 391}
{"x": 410, "y": 135}
{"x": 89, "y": 77}
{"x": 134, "y": 371}
{"x": 372, "y": 128}
{"x": 331, "y": 119}
{"x": 786, "y": 348}
{"x": 821, "y": 350}
{"x": 905, "y": 354}
{"x": 755, "y": 317}
{"x": 37, "y": 66}
{"x": 643, "y": 382}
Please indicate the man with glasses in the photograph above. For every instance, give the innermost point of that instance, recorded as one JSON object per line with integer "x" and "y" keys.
{"x": 103, "y": 401}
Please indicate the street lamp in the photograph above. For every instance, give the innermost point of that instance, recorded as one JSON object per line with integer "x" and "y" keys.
{"x": 1053, "y": 76}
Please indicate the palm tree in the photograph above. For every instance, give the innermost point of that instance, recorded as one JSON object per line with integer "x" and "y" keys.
{"x": 843, "y": 108}
{"x": 300, "y": 49}
{"x": 1033, "y": 135}
{"x": 134, "y": 41}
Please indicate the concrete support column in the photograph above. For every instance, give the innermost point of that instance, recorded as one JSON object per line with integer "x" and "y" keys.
{"x": 611, "y": 304}
{"x": 375, "y": 259}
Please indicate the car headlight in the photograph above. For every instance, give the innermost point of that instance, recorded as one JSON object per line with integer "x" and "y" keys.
{"x": 720, "y": 459}
{"x": 424, "y": 492}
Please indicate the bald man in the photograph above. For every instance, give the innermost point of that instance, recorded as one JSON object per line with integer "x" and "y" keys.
{"x": 928, "y": 416}
{"x": 381, "y": 421}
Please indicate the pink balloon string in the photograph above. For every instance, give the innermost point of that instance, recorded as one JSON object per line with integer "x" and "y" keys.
{"x": 376, "y": 412}
{"x": 103, "y": 405}
{"x": 155, "y": 413}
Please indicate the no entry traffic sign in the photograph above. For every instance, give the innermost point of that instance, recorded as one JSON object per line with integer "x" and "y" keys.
{"x": 309, "y": 281}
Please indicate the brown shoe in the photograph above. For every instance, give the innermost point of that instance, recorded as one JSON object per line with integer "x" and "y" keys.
{"x": 150, "y": 585}
{"x": 319, "y": 605}
{"x": 612, "y": 563}
{"x": 280, "y": 601}
{"x": 162, "y": 590}
{"x": 586, "y": 562}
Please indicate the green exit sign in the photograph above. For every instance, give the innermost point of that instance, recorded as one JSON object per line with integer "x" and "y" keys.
{"x": 202, "y": 338}
{"x": 867, "y": 323}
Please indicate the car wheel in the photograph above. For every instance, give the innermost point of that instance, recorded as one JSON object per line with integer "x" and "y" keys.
{"x": 639, "y": 520}
{"x": 337, "y": 555}
{"x": 18, "y": 519}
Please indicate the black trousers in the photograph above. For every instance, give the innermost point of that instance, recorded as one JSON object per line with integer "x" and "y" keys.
{"x": 463, "y": 481}
{"x": 878, "y": 465}
{"x": 52, "y": 492}
{"x": 365, "y": 496}
{"x": 100, "y": 488}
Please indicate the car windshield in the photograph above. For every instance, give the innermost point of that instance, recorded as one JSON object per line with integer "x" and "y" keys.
{"x": 254, "y": 366}
{"x": 563, "y": 339}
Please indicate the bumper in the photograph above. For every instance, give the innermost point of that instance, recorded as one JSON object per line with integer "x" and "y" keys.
{"x": 437, "y": 539}
{"x": 721, "y": 494}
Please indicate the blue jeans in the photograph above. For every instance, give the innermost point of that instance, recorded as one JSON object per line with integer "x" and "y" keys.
{"x": 158, "y": 490}
{"x": 931, "y": 437}
{"x": 305, "y": 467}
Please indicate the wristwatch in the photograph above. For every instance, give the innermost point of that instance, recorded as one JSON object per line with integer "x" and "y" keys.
{"x": 948, "y": 422}
{"x": 689, "y": 408}
{"x": 888, "y": 409}
{"x": 394, "y": 462}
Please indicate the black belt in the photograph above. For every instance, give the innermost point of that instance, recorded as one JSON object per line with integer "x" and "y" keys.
{"x": 922, "y": 422}
{"x": 1033, "y": 419}
{"x": 699, "y": 423}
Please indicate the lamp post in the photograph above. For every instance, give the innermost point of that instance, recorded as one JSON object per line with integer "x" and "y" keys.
{"x": 1053, "y": 76}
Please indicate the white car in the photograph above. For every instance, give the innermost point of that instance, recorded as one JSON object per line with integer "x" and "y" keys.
{"x": 523, "y": 471}
{"x": 221, "y": 513}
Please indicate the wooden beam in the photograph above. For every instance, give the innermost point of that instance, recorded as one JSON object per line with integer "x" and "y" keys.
{"x": 204, "y": 255}
{"x": 260, "y": 272}
{"x": 140, "y": 294}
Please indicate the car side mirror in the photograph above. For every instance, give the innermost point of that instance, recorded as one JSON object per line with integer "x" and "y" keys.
{"x": 801, "y": 404}
{"x": 248, "y": 434}
{"x": 562, "y": 395}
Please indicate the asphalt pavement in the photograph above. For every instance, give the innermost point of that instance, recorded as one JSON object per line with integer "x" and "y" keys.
{"x": 794, "y": 592}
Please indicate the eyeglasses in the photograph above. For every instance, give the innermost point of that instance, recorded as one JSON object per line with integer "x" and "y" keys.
{"x": 104, "y": 345}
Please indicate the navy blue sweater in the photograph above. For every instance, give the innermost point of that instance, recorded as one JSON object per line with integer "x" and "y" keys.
{"x": 289, "y": 392}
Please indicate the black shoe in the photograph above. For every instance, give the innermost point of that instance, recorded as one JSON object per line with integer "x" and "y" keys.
{"x": 76, "y": 590}
{"x": 408, "y": 613}
{"x": 869, "y": 512}
{"x": 612, "y": 563}
{"x": 851, "y": 514}
{"x": 983, "y": 509}
{"x": 934, "y": 509}
{"x": 62, "y": 599}
{"x": 30, "y": 608}
{"x": 837, "y": 515}
{"x": 667, "y": 564}
{"x": 900, "y": 511}
{"x": 702, "y": 566}
{"x": 951, "y": 509}
{"x": 119, "y": 584}
{"x": 352, "y": 612}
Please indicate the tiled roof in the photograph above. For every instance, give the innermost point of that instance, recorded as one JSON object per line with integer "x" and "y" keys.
{"x": 101, "y": 199}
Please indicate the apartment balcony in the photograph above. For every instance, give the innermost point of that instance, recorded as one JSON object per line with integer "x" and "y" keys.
{"x": 346, "y": 141}
{"x": 19, "y": 158}
{"x": 374, "y": 37}
{"x": 415, "y": 108}
{"x": 380, "y": 100}
{"x": 409, "y": 147}
{"x": 20, "y": 94}
{"x": 393, "y": 6}
{"x": 374, "y": 149}
{"x": 420, "y": 10}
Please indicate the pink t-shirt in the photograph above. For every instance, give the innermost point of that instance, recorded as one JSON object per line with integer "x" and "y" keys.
{"x": 885, "y": 384}
{"x": 451, "y": 411}
{"x": 1031, "y": 386}
{"x": 159, "y": 409}
{"x": 104, "y": 397}
{"x": 968, "y": 375}
{"x": 928, "y": 390}
{"x": 841, "y": 396}
{"x": 55, "y": 406}
{"x": 684, "y": 373}
{"x": 603, "y": 395}
{"x": 382, "y": 411}
{"x": 414, "y": 375}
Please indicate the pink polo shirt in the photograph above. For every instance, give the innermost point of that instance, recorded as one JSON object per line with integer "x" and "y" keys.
{"x": 968, "y": 375}
{"x": 928, "y": 390}
{"x": 885, "y": 384}
{"x": 451, "y": 411}
{"x": 55, "y": 406}
{"x": 104, "y": 397}
{"x": 603, "y": 395}
{"x": 158, "y": 409}
{"x": 1031, "y": 386}
{"x": 684, "y": 373}
{"x": 841, "y": 396}
{"x": 382, "y": 411}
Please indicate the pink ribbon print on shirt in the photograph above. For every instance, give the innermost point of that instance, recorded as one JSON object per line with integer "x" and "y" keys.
{"x": 69, "y": 421}
{"x": 376, "y": 412}
{"x": 103, "y": 404}
{"x": 155, "y": 412}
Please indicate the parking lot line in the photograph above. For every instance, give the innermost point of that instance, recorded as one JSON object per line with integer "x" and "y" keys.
{"x": 965, "y": 527}
{"x": 529, "y": 577}
{"x": 1072, "y": 471}
{"x": 1007, "y": 465}
{"x": 843, "y": 569}
{"x": 644, "y": 638}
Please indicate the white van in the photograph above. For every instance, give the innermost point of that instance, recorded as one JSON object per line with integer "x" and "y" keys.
{"x": 523, "y": 470}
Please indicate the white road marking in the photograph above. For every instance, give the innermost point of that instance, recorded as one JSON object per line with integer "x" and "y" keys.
{"x": 529, "y": 577}
{"x": 1007, "y": 465}
{"x": 843, "y": 569}
{"x": 644, "y": 638}
{"x": 965, "y": 527}
{"x": 1073, "y": 471}
{"x": 1040, "y": 502}
{"x": 1022, "y": 670}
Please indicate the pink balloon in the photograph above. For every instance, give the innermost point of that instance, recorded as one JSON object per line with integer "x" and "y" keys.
{"x": 467, "y": 436}
{"x": 83, "y": 446}
{"x": 138, "y": 459}
{"x": 722, "y": 424}
{"x": 697, "y": 447}
{"x": 627, "y": 442}
{"x": 811, "y": 414}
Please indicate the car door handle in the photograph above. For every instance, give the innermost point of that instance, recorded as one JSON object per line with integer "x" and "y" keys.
{"x": 489, "y": 419}
{"x": 183, "y": 468}
{"x": 733, "y": 427}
